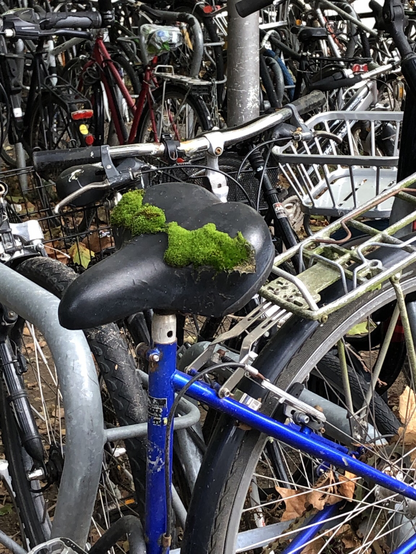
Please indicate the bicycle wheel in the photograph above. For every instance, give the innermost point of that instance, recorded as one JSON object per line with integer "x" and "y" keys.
{"x": 125, "y": 114}
{"x": 245, "y": 477}
{"x": 176, "y": 111}
{"x": 88, "y": 80}
{"x": 213, "y": 60}
{"x": 51, "y": 126}
{"x": 123, "y": 403}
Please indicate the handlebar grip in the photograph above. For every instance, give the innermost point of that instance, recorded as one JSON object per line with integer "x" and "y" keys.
{"x": 105, "y": 8}
{"x": 247, "y": 7}
{"x": 310, "y": 102}
{"x": 72, "y": 20}
{"x": 331, "y": 83}
{"x": 57, "y": 160}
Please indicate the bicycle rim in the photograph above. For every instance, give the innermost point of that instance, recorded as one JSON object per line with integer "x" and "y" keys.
{"x": 268, "y": 483}
{"x": 120, "y": 480}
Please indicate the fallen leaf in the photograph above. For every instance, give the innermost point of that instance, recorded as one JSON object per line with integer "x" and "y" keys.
{"x": 294, "y": 502}
{"x": 6, "y": 509}
{"x": 81, "y": 255}
{"x": 96, "y": 243}
{"x": 57, "y": 254}
{"x": 348, "y": 537}
{"x": 359, "y": 329}
{"x": 326, "y": 491}
{"x": 322, "y": 496}
{"x": 56, "y": 412}
{"x": 346, "y": 486}
{"x": 407, "y": 409}
{"x": 315, "y": 547}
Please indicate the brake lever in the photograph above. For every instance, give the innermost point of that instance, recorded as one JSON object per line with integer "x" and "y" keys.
{"x": 67, "y": 200}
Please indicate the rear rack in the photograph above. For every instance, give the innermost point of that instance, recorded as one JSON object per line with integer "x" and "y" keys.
{"x": 322, "y": 260}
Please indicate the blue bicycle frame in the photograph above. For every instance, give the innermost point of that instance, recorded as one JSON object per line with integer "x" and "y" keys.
{"x": 164, "y": 379}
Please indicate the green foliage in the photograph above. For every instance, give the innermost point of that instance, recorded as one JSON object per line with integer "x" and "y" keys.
{"x": 206, "y": 246}
{"x": 128, "y": 206}
{"x": 202, "y": 247}
{"x": 139, "y": 218}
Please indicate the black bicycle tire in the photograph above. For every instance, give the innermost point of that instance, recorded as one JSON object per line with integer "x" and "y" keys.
{"x": 175, "y": 91}
{"x": 96, "y": 100}
{"x": 233, "y": 453}
{"x": 13, "y": 449}
{"x": 112, "y": 356}
{"x": 206, "y": 20}
{"x": 45, "y": 100}
{"x": 118, "y": 371}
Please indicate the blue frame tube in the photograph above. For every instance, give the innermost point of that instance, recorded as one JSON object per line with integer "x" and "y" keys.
{"x": 162, "y": 363}
{"x": 316, "y": 523}
{"x": 311, "y": 444}
{"x": 407, "y": 547}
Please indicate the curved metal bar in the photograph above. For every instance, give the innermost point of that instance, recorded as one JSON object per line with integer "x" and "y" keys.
{"x": 82, "y": 401}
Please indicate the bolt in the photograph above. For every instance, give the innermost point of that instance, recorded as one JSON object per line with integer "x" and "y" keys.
{"x": 154, "y": 358}
{"x": 218, "y": 151}
{"x": 36, "y": 474}
{"x": 109, "y": 166}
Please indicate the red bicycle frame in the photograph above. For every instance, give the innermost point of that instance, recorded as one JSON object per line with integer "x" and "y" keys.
{"x": 102, "y": 58}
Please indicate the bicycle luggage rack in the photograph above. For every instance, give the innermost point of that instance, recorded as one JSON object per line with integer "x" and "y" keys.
{"x": 323, "y": 261}
{"x": 167, "y": 72}
{"x": 331, "y": 179}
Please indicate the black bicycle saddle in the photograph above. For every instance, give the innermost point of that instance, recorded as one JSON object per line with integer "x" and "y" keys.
{"x": 136, "y": 277}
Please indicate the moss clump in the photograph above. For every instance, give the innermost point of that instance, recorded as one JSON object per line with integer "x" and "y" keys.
{"x": 130, "y": 204}
{"x": 206, "y": 247}
{"x": 149, "y": 219}
{"x": 202, "y": 247}
{"x": 139, "y": 218}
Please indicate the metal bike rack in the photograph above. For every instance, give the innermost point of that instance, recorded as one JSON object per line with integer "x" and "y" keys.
{"x": 82, "y": 401}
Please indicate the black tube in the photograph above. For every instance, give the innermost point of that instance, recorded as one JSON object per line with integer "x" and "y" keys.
{"x": 310, "y": 102}
{"x": 71, "y": 20}
{"x": 58, "y": 160}
{"x": 247, "y": 7}
{"x": 127, "y": 525}
{"x": 332, "y": 83}
{"x": 105, "y": 8}
{"x": 280, "y": 80}
{"x": 279, "y": 45}
{"x": 365, "y": 43}
{"x": 268, "y": 84}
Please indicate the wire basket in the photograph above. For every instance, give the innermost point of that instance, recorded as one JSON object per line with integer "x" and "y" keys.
{"x": 76, "y": 237}
{"x": 332, "y": 179}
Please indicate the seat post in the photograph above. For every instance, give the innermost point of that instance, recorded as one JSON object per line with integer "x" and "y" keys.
{"x": 162, "y": 365}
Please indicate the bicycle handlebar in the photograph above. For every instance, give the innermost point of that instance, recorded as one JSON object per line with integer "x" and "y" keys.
{"x": 46, "y": 161}
{"x": 333, "y": 83}
{"x": 76, "y": 20}
{"x": 247, "y": 7}
{"x": 28, "y": 24}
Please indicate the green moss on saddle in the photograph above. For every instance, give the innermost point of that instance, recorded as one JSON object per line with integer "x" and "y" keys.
{"x": 207, "y": 246}
{"x": 139, "y": 218}
{"x": 201, "y": 247}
